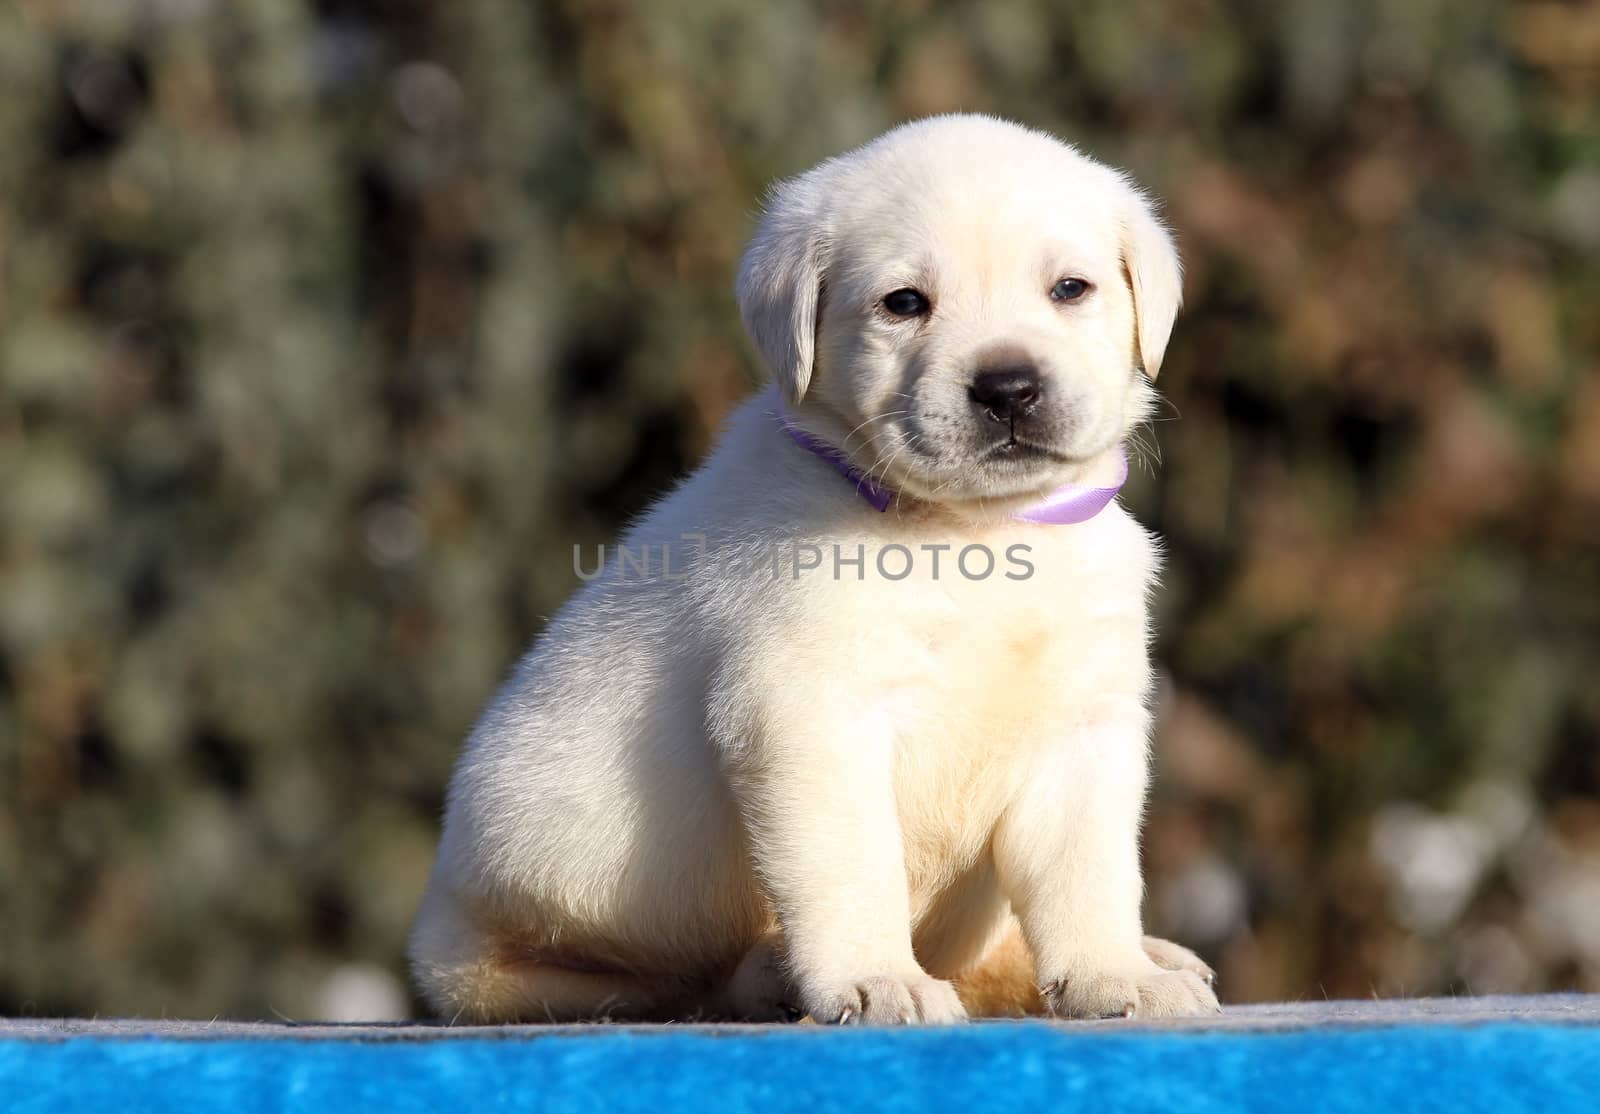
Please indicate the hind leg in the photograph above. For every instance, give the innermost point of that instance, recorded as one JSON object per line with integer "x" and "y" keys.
{"x": 759, "y": 989}
{"x": 472, "y": 976}
{"x": 1176, "y": 957}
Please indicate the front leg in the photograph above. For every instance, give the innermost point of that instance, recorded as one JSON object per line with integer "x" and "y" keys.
{"x": 815, "y": 791}
{"x": 1068, "y": 855}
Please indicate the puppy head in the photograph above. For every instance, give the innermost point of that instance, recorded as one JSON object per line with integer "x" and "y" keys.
{"x": 970, "y": 309}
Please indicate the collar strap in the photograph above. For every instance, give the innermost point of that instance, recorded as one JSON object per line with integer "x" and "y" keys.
{"x": 1065, "y": 506}
{"x": 866, "y": 487}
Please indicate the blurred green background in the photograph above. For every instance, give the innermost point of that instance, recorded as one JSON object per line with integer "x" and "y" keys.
{"x": 327, "y": 329}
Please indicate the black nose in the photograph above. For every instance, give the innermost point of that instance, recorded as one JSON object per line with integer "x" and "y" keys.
{"x": 1007, "y": 393}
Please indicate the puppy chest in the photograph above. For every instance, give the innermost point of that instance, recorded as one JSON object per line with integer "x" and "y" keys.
{"x": 973, "y": 698}
{"x": 996, "y": 657}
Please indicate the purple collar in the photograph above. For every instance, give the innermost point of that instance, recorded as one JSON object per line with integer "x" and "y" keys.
{"x": 1064, "y": 506}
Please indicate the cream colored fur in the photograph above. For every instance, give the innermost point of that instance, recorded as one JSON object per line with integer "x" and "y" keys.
{"x": 704, "y": 794}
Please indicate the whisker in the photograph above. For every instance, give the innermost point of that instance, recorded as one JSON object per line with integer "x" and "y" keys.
{"x": 844, "y": 446}
{"x": 885, "y": 465}
{"x": 1143, "y": 451}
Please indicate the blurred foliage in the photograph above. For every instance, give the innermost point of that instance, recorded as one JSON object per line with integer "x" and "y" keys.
{"x": 327, "y": 329}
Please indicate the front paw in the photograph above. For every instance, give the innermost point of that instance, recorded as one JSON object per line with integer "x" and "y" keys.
{"x": 914, "y": 999}
{"x": 1145, "y": 993}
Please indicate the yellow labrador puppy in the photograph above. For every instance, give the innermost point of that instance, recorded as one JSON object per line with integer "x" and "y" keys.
{"x": 859, "y": 713}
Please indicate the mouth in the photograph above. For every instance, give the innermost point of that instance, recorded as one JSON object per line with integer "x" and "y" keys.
{"x": 1021, "y": 450}
{"x": 946, "y": 470}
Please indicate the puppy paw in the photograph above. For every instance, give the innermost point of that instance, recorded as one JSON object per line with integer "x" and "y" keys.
{"x": 759, "y": 990}
{"x": 1144, "y": 994}
{"x": 886, "y": 1000}
{"x": 1175, "y": 957}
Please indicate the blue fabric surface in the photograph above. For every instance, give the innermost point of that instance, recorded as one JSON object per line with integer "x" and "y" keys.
{"x": 981, "y": 1068}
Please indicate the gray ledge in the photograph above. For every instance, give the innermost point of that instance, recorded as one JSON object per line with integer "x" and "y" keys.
{"x": 1547, "y": 1009}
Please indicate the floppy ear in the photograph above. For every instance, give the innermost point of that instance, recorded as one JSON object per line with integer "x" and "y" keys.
{"x": 780, "y": 285}
{"x": 1150, "y": 261}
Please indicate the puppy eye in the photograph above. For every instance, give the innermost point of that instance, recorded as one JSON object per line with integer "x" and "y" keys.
{"x": 906, "y": 303}
{"x": 1069, "y": 290}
